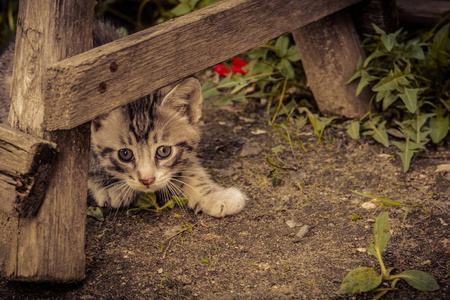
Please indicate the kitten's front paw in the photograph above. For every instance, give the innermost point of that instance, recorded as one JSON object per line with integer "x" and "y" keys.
{"x": 222, "y": 202}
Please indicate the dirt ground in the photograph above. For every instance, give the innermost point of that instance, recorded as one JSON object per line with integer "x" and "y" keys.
{"x": 259, "y": 253}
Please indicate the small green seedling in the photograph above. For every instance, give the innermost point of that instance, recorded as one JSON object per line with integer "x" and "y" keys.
{"x": 169, "y": 280}
{"x": 364, "y": 279}
{"x": 95, "y": 212}
{"x": 147, "y": 201}
{"x": 205, "y": 260}
{"x": 355, "y": 217}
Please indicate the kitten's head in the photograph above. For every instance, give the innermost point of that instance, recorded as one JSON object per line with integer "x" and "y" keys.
{"x": 147, "y": 142}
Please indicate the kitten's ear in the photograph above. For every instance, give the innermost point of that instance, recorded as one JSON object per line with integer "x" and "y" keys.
{"x": 186, "y": 98}
{"x": 96, "y": 124}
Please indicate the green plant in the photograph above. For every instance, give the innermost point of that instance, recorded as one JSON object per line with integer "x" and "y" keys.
{"x": 273, "y": 73}
{"x": 147, "y": 201}
{"x": 8, "y": 18}
{"x": 411, "y": 80}
{"x": 364, "y": 279}
{"x": 96, "y": 213}
{"x": 205, "y": 260}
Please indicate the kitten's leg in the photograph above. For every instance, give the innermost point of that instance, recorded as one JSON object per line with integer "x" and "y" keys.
{"x": 207, "y": 196}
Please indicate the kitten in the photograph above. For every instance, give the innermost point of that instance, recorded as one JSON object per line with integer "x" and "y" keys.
{"x": 146, "y": 146}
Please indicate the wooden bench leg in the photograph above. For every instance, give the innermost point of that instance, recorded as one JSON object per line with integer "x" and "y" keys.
{"x": 50, "y": 246}
{"x": 330, "y": 49}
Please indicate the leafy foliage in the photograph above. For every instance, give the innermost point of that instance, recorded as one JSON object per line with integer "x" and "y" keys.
{"x": 147, "y": 201}
{"x": 8, "y": 18}
{"x": 411, "y": 80}
{"x": 274, "y": 73}
{"x": 364, "y": 279}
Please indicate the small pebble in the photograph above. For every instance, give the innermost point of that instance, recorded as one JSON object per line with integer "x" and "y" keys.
{"x": 368, "y": 205}
{"x": 303, "y": 231}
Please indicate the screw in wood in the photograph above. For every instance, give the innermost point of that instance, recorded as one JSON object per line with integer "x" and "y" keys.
{"x": 113, "y": 66}
{"x": 102, "y": 87}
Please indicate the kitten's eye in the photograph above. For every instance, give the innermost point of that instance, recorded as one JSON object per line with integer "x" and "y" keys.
{"x": 125, "y": 155}
{"x": 163, "y": 151}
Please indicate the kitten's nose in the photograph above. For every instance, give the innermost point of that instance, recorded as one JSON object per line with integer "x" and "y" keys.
{"x": 147, "y": 182}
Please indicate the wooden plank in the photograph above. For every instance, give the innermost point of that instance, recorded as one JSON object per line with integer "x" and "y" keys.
{"x": 330, "y": 49}
{"x": 50, "y": 247}
{"x": 422, "y": 12}
{"x": 25, "y": 166}
{"x": 85, "y": 86}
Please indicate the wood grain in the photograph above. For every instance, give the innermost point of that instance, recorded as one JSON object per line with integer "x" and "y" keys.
{"x": 25, "y": 166}
{"x": 422, "y": 12}
{"x": 382, "y": 13}
{"x": 50, "y": 246}
{"x": 330, "y": 49}
{"x": 82, "y": 87}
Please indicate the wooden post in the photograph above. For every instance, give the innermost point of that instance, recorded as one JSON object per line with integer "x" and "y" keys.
{"x": 330, "y": 49}
{"x": 49, "y": 247}
{"x": 382, "y": 13}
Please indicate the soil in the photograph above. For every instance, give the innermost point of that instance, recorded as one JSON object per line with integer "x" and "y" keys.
{"x": 260, "y": 253}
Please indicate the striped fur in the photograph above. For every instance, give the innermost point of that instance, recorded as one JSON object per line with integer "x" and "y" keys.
{"x": 167, "y": 118}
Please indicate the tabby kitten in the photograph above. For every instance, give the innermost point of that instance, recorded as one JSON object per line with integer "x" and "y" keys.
{"x": 146, "y": 146}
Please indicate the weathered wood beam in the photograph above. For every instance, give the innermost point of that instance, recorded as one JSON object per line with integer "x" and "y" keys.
{"x": 50, "y": 246}
{"x": 422, "y": 12}
{"x": 330, "y": 49}
{"x": 110, "y": 76}
{"x": 25, "y": 168}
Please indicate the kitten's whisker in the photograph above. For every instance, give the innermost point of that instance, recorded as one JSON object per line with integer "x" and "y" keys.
{"x": 175, "y": 188}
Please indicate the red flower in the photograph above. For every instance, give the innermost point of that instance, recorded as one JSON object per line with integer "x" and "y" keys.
{"x": 221, "y": 70}
{"x": 235, "y": 68}
{"x": 237, "y": 62}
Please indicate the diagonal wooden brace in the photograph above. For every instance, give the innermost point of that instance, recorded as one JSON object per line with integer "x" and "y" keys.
{"x": 26, "y": 164}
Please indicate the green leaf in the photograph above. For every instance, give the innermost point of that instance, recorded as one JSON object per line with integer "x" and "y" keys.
{"x": 242, "y": 83}
{"x": 366, "y": 78}
{"x": 276, "y": 149}
{"x": 381, "y": 232}
{"x": 257, "y": 53}
{"x": 419, "y": 280}
{"x": 357, "y": 72}
{"x": 261, "y": 68}
{"x": 388, "y": 99}
{"x": 409, "y": 98}
{"x": 379, "y": 134}
{"x": 293, "y": 54}
{"x": 192, "y": 3}
{"x": 180, "y": 201}
{"x": 446, "y": 103}
{"x": 378, "y": 30}
{"x": 286, "y": 69}
{"x": 300, "y": 121}
{"x": 96, "y": 213}
{"x": 439, "y": 125}
{"x": 204, "y": 3}
{"x": 353, "y": 129}
{"x": 389, "y": 39}
{"x": 281, "y": 46}
{"x": 385, "y": 201}
{"x": 145, "y": 200}
{"x": 360, "y": 280}
{"x": 377, "y": 53}
{"x": 181, "y": 9}
{"x": 392, "y": 81}
{"x": 208, "y": 90}
{"x": 407, "y": 154}
{"x": 438, "y": 49}
{"x": 415, "y": 52}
